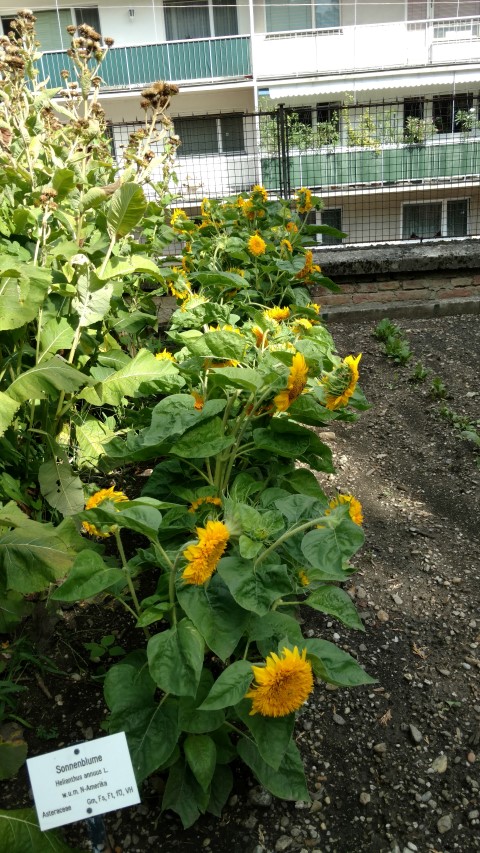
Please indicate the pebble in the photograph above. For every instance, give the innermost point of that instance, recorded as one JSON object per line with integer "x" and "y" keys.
{"x": 396, "y": 598}
{"x": 251, "y": 822}
{"x": 383, "y": 616}
{"x": 444, "y": 824}
{"x": 283, "y": 843}
{"x": 338, "y": 720}
{"x": 380, "y": 748}
{"x": 260, "y": 796}
{"x": 471, "y": 757}
{"x": 439, "y": 765}
{"x": 473, "y": 815}
{"x": 417, "y": 736}
{"x": 365, "y": 798}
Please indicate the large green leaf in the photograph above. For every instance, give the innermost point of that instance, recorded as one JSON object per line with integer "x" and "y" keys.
{"x": 56, "y": 334}
{"x": 8, "y": 407}
{"x": 22, "y": 290}
{"x": 230, "y": 687}
{"x": 215, "y": 614}
{"x": 32, "y": 557}
{"x": 226, "y": 345}
{"x": 235, "y": 377}
{"x": 88, "y": 577}
{"x": 335, "y": 666}
{"x": 46, "y": 379}
{"x": 206, "y": 439}
{"x": 132, "y": 516}
{"x": 191, "y": 719}
{"x": 335, "y": 602}
{"x": 176, "y": 414}
{"x": 91, "y": 436}
{"x": 272, "y": 734}
{"x": 128, "y": 685}
{"x": 184, "y": 795}
{"x": 13, "y": 750}
{"x": 220, "y": 788}
{"x": 254, "y": 589}
{"x": 126, "y": 209}
{"x": 201, "y": 754}
{"x": 120, "y": 267}
{"x": 328, "y": 547}
{"x": 287, "y": 782}
{"x": 273, "y": 628}
{"x": 175, "y": 658}
{"x": 144, "y": 375}
{"x": 20, "y": 833}
{"x": 92, "y": 301}
{"x": 61, "y": 487}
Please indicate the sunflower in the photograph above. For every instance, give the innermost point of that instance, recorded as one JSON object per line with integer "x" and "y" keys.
{"x": 205, "y": 500}
{"x": 282, "y": 685}
{"x": 199, "y": 401}
{"x": 341, "y": 383}
{"x": 259, "y": 191}
{"x": 307, "y": 265}
{"x": 303, "y": 578}
{"x": 203, "y": 556}
{"x": 291, "y": 228}
{"x": 96, "y": 500}
{"x": 260, "y": 337}
{"x": 256, "y": 245}
{"x": 314, "y": 306}
{"x": 300, "y": 325}
{"x": 277, "y": 313}
{"x": 178, "y": 214}
{"x": 287, "y": 245}
{"x": 164, "y": 355}
{"x": 297, "y": 379}
{"x": 304, "y": 200}
{"x": 354, "y": 507}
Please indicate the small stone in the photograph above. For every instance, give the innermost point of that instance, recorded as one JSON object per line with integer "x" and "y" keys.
{"x": 251, "y": 822}
{"x": 396, "y": 599}
{"x": 338, "y": 720}
{"x": 473, "y": 815}
{"x": 316, "y": 807}
{"x": 365, "y": 798}
{"x": 440, "y": 764}
{"x": 283, "y": 843}
{"x": 444, "y": 824}
{"x": 417, "y": 736}
{"x": 383, "y": 616}
{"x": 361, "y": 592}
{"x": 88, "y": 732}
{"x": 471, "y": 757}
{"x": 380, "y": 748}
{"x": 260, "y": 796}
{"x": 75, "y": 676}
{"x": 411, "y": 845}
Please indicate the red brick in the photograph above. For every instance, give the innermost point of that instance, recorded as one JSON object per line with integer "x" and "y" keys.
{"x": 461, "y": 282}
{"x": 421, "y": 295}
{"x": 336, "y": 299}
{"x": 458, "y": 291}
{"x": 374, "y": 297}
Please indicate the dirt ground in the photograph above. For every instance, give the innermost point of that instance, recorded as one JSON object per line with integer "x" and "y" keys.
{"x": 391, "y": 768}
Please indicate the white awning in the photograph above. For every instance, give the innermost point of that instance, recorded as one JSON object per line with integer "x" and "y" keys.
{"x": 366, "y": 82}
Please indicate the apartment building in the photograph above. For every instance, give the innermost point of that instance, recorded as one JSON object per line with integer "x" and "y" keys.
{"x": 374, "y": 105}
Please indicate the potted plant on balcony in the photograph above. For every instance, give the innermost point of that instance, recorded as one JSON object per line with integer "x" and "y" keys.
{"x": 418, "y": 130}
{"x": 468, "y": 121}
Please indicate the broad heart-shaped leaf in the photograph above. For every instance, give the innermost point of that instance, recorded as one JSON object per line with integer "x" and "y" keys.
{"x": 63, "y": 181}
{"x": 307, "y": 410}
{"x": 259, "y": 525}
{"x": 255, "y": 590}
{"x": 305, "y": 483}
{"x": 272, "y": 734}
{"x": 288, "y": 782}
{"x": 8, "y": 408}
{"x": 56, "y": 334}
{"x": 220, "y": 788}
{"x": 92, "y": 301}
{"x": 184, "y": 795}
{"x": 175, "y": 658}
{"x": 215, "y": 614}
{"x": 91, "y": 436}
{"x": 273, "y": 628}
{"x": 128, "y": 685}
{"x": 61, "y": 487}
{"x": 32, "y": 557}
{"x": 22, "y": 290}
{"x": 335, "y": 602}
{"x": 235, "y": 377}
{"x": 13, "y": 750}
{"x": 190, "y": 718}
{"x": 291, "y": 446}
{"x": 119, "y": 267}
{"x": 137, "y": 517}
{"x": 206, "y": 439}
{"x": 126, "y": 209}
{"x": 227, "y": 345}
{"x": 88, "y": 577}
{"x": 13, "y": 608}
{"x": 176, "y": 414}
{"x": 297, "y": 507}
{"x": 230, "y": 687}
{"x": 20, "y": 833}
{"x": 328, "y": 547}
{"x": 201, "y": 754}
{"x": 46, "y": 379}
{"x": 335, "y": 666}
{"x": 144, "y": 375}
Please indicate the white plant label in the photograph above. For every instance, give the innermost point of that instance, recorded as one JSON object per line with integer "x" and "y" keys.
{"x": 83, "y": 781}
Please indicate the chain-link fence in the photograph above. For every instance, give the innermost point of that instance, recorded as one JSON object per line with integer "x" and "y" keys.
{"x": 402, "y": 170}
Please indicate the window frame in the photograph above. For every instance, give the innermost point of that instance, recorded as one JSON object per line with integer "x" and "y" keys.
{"x": 210, "y": 6}
{"x": 220, "y": 135}
{"x": 313, "y": 16}
{"x": 443, "y": 202}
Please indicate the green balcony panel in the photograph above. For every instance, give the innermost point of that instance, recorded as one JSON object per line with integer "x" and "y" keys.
{"x": 196, "y": 59}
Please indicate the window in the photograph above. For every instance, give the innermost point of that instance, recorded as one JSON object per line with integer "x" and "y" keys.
{"x": 333, "y": 217}
{"x": 283, "y": 15}
{"x": 421, "y": 10}
{"x": 329, "y": 114}
{"x": 88, "y": 15}
{"x": 412, "y": 108}
{"x": 446, "y": 107}
{"x": 435, "y": 219}
{"x": 51, "y": 25}
{"x": 210, "y": 135}
{"x": 193, "y": 19}
{"x": 300, "y": 115}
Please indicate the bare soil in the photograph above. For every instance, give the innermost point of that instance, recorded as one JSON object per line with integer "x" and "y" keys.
{"x": 391, "y": 768}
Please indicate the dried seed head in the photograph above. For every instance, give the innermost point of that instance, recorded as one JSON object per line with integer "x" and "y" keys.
{"x": 109, "y": 41}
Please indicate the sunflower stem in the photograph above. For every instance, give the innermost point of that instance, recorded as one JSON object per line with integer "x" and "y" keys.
{"x": 288, "y": 535}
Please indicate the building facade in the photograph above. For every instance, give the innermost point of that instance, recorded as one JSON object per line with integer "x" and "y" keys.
{"x": 374, "y": 106}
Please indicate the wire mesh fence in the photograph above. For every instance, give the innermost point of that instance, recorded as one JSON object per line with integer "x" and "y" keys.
{"x": 389, "y": 171}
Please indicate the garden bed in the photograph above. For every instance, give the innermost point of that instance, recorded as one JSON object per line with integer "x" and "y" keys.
{"x": 391, "y": 767}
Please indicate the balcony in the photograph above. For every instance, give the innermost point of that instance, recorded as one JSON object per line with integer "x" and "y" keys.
{"x": 358, "y": 168}
{"x": 197, "y": 60}
{"x": 365, "y": 47}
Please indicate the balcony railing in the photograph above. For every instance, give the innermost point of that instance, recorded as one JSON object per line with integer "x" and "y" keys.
{"x": 205, "y": 60}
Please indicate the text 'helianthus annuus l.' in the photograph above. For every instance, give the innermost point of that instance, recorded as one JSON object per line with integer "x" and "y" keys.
{"x": 282, "y": 685}
{"x": 341, "y": 383}
{"x": 96, "y": 500}
{"x": 203, "y": 556}
{"x": 297, "y": 379}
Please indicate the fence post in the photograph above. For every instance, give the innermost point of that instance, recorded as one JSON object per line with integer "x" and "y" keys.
{"x": 283, "y": 152}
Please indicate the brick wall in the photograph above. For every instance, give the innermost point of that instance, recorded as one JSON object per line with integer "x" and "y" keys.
{"x": 425, "y": 288}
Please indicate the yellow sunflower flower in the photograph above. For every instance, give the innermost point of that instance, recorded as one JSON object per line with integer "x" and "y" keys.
{"x": 300, "y": 325}
{"x": 282, "y": 685}
{"x": 304, "y": 200}
{"x": 206, "y": 500}
{"x": 291, "y": 228}
{"x": 178, "y": 214}
{"x": 314, "y": 306}
{"x": 307, "y": 266}
{"x": 260, "y": 337}
{"x": 256, "y": 245}
{"x": 297, "y": 379}
{"x": 199, "y": 401}
{"x": 303, "y": 578}
{"x": 203, "y": 556}
{"x": 287, "y": 245}
{"x": 96, "y": 500}
{"x": 258, "y": 190}
{"x": 164, "y": 355}
{"x": 341, "y": 383}
{"x": 354, "y": 507}
{"x": 277, "y": 313}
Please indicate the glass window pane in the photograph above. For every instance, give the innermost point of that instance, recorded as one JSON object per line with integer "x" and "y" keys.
{"x": 422, "y": 220}
{"x": 185, "y": 19}
{"x": 232, "y": 133}
{"x": 198, "y": 135}
{"x": 412, "y": 108}
{"x": 88, "y": 15}
{"x": 327, "y": 13}
{"x": 50, "y": 28}
{"x": 457, "y": 217}
{"x": 288, "y": 15}
{"x": 332, "y": 217}
{"x": 225, "y": 18}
